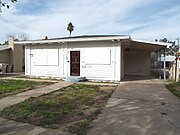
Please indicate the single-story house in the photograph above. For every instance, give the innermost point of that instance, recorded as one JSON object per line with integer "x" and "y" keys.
{"x": 12, "y": 57}
{"x": 106, "y": 57}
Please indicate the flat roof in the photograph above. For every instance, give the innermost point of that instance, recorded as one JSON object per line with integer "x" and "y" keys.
{"x": 75, "y": 39}
{"x": 89, "y": 38}
{"x": 169, "y": 58}
{"x": 151, "y": 42}
{"x": 4, "y": 47}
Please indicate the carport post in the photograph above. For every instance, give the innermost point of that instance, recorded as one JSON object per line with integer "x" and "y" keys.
{"x": 160, "y": 64}
{"x": 164, "y": 65}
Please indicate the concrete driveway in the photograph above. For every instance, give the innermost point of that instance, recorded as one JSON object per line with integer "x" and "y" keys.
{"x": 140, "y": 107}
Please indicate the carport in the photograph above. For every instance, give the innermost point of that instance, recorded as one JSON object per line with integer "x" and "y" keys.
{"x": 136, "y": 56}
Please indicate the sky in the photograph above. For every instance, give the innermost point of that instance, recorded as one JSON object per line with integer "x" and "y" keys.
{"x": 141, "y": 19}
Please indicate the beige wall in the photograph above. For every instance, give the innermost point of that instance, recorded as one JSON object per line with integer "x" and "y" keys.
{"x": 16, "y": 56}
{"x": 4, "y": 56}
{"x": 137, "y": 62}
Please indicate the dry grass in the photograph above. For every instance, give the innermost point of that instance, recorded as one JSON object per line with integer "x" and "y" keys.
{"x": 12, "y": 87}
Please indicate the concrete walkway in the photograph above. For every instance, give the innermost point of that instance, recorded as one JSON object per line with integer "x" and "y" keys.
{"x": 15, "y": 128}
{"x": 141, "y": 107}
{"x": 11, "y": 100}
{"x": 8, "y": 127}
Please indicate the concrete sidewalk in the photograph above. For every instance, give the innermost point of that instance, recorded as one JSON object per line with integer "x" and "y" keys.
{"x": 8, "y": 127}
{"x": 141, "y": 107}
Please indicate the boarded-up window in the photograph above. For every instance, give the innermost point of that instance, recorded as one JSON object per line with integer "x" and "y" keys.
{"x": 46, "y": 57}
{"x": 97, "y": 56}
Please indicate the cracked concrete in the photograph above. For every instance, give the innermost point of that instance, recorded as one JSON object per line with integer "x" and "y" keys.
{"x": 141, "y": 107}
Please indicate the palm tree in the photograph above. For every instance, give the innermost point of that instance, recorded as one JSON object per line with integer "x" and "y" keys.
{"x": 70, "y": 28}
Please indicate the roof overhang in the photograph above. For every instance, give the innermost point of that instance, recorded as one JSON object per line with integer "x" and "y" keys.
{"x": 147, "y": 45}
{"x": 4, "y": 47}
{"x": 168, "y": 58}
{"x": 80, "y": 39}
{"x": 126, "y": 40}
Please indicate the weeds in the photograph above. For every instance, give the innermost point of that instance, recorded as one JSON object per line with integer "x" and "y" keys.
{"x": 174, "y": 88}
{"x": 11, "y": 87}
{"x": 70, "y": 109}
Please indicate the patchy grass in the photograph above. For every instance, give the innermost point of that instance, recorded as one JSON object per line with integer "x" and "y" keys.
{"x": 11, "y": 87}
{"x": 174, "y": 88}
{"x": 70, "y": 109}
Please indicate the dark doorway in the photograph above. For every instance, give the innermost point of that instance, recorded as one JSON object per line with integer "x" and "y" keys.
{"x": 75, "y": 63}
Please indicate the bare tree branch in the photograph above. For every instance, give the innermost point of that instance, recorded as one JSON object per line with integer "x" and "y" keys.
{"x": 3, "y": 4}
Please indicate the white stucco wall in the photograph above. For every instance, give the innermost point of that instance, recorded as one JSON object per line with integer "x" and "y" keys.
{"x": 137, "y": 62}
{"x": 34, "y": 59}
{"x": 98, "y": 60}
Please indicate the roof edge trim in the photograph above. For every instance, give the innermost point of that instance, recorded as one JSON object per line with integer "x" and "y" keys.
{"x": 152, "y": 42}
{"x": 74, "y": 40}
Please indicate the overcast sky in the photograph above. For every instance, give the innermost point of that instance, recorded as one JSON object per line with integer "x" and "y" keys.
{"x": 141, "y": 19}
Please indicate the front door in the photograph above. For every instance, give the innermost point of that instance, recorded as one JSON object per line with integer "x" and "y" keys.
{"x": 75, "y": 63}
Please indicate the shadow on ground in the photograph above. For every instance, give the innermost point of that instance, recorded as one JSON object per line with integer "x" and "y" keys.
{"x": 15, "y": 128}
{"x": 136, "y": 77}
{"x": 140, "y": 107}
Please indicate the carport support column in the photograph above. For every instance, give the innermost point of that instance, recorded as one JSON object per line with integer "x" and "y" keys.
{"x": 164, "y": 65}
{"x": 160, "y": 64}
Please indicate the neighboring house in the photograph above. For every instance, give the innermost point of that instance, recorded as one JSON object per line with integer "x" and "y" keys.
{"x": 93, "y": 57}
{"x": 12, "y": 55}
{"x": 169, "y": 60}
{"x": 171, "y": 66}
{"x": 4, "y": 53}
